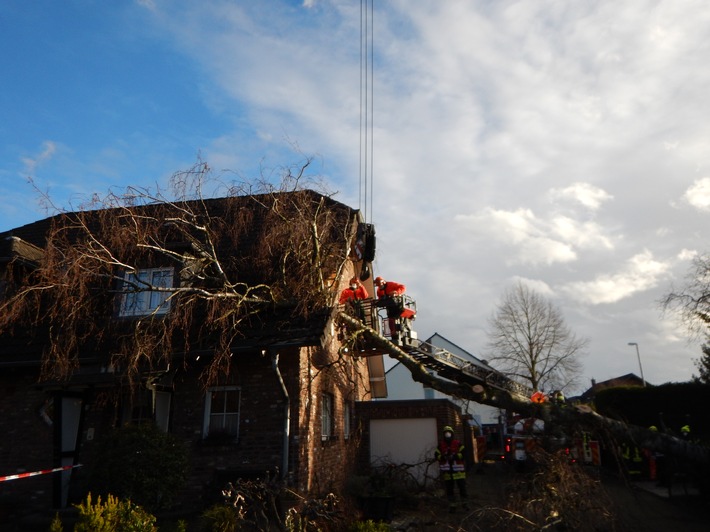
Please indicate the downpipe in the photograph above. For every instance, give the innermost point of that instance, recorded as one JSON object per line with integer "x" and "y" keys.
{"x": 287, "y": 416}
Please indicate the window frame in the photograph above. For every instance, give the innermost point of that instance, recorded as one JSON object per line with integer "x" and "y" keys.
{"x": 347, "y": 417}
{"x": 209, "y": 413}
{"x": 149, "y": 404}
{"x": 146, "y": 302}
{"x": 327, "y": 419}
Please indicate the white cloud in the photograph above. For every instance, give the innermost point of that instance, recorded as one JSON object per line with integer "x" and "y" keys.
{"x": 148, "y": 4}
{"x": 586, "y": 194}
{"x": 31, "y": 163}
{"x": 522, "y": 230}
{"x": 640, "y": 273}
{"x": 698, "y": 195}
{"x": 687, "y": 254}
{"x": 541, "y": 287}
{"x": 537, "y": 240}
{"x": 583, "y": 235}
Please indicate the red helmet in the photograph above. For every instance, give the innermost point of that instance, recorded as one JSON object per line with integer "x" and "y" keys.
{"x": 379, "y": 281}
{"x": 354, "y": 280}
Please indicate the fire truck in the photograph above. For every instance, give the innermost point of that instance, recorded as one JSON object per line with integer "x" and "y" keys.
{"x": 526, "y": 434}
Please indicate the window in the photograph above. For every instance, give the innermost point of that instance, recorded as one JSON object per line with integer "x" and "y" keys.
{"x": 148, "y": 405}
{"x": 326, "y": 416}
{"x": 222, "y": 412}
{"x": 138, "y": 298}
{"x": 346, "y": 421}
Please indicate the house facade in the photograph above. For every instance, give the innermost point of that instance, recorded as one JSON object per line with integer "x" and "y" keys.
{"x": 281, "y": 401}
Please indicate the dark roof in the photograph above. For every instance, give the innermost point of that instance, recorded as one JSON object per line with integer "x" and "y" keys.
{"x": 630, "y": 379}
{"x": 35, "y": 233}
{"x": 13, "y": 247}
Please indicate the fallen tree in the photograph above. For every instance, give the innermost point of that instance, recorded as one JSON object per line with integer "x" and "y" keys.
{"x": 568, "y": 419}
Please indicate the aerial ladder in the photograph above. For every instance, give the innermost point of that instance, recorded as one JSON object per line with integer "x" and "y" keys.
{"x": 435, "y": 359}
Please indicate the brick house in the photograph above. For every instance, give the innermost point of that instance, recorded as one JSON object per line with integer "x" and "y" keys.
{"x": 285, "y": 402}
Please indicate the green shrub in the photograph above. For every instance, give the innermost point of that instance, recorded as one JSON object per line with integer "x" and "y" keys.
{"x": 140, "y": 463}
{"x": 56, "y": 525}
{"x": 369, "y": 526}
{"x": 221, "y": 518}
{"x": 113, "y": 515}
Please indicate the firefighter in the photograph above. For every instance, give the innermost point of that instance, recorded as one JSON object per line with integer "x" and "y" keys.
{"x": 356, "y": 290}
{"x": 452, "y": 468}
{"x": 685, "y": 432}
{"x": 558, "y": 398}
{"x": 388, "y": 296}
{"x": 633, "y": 460}
{"x": 388, "y": 288}
{"x": 352, "y": 297}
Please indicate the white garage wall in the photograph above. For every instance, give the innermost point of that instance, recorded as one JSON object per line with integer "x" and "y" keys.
{"x": 404, "y": 441}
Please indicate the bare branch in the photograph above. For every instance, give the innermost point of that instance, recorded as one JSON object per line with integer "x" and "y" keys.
{"x": 531, "y": 342}
{"x": 233, "y": 262}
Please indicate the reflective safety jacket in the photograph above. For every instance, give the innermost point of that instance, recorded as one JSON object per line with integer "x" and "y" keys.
{"x": 450, "y": 458}
{"x": 359, "y": 293}
{"x": 390, "y": 288}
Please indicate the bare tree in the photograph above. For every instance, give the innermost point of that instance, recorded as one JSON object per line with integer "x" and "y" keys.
{"x": 691, "y": 301}
{"x": 703, "y": 366}
{"x": 530, "y": 341}
{"x": 260, "y": 250}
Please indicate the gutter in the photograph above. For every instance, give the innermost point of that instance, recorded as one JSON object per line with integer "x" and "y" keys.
{"x": 287, "y": 416}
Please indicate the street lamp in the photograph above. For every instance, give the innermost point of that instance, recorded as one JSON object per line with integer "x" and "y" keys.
{"x": 638, "y": 355}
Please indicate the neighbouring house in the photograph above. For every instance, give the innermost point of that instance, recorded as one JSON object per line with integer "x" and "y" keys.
{"x": 487, "y": 419}
{"x": 285, "y": 394}
{"x": 630, "y": 379}
{"x": 400, "y": 384}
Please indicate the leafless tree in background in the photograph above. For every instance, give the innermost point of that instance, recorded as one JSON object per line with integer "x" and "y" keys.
{"x": 530, "y": 342}
{"x": 691, "y": 301}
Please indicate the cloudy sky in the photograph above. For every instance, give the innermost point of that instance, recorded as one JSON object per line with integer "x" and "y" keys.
{"x": 564, "y": 144}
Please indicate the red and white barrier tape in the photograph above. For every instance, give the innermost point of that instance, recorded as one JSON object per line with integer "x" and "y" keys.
{"x": 35, "y": 473}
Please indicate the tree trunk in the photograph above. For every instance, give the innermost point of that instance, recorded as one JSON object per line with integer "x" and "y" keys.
{"x": 566, "y": 419}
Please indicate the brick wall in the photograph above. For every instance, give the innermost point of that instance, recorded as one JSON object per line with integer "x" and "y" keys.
{"x": 26, "y": 443}
{"x": 324, "y": 466}
{"x": 260, "y": 444}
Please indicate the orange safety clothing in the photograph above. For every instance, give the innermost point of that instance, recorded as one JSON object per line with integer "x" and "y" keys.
{"x": 449, "y": 454}
{"x": 390, "y": 288}
{"x": 538, "y": 397}
{"x": 358, "y": 293}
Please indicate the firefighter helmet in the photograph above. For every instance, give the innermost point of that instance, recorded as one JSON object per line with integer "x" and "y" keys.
{"x": 354, "y": 280}
{"x": 379, "y": 281}
{"x": 685, "y": 429}
{"x": 448, "y": 428}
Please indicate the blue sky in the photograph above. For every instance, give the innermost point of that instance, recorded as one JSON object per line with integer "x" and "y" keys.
{"x": 562, "y": 144}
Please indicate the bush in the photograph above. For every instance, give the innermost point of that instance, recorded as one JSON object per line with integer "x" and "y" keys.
{"x": 673, "y": 404}
{"x": 113, "y": 516}
{"x": 140, "y": 463}
{"x": 221, "y": 518}
{"x": 56, "y": 525}
{"x": 369, "y": 526}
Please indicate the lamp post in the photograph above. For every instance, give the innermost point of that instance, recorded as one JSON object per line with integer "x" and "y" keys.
{"x": 638, "y": 355}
